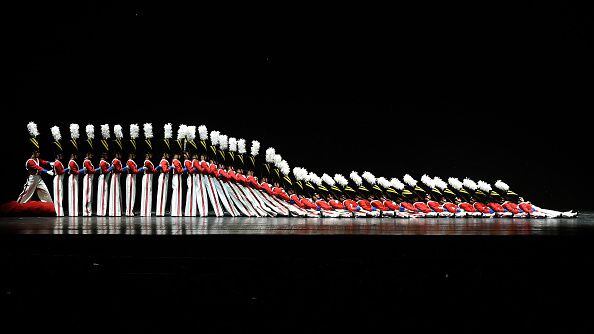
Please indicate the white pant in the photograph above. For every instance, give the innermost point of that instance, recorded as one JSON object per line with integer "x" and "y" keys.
{"x": 190, "y": 196}
{"x": 201, "y": 194}
{"x": 223, "y": 198}
{"x": 59, "y": 194}
{"x": 234, "y": 199}
{"x": 73, "y": 195}
{"x": 162, "y": 184}
{"x": 87, "y": 204}
{"x": 115, "y": 195}
{"x": 176, "y": 195}
{"x": 146, "y": 195}
{"x": 212, "y": 195}
{"x": 130, "y": 194}
{"x": 102, "y": 194}
{"x": 33, "y": 185}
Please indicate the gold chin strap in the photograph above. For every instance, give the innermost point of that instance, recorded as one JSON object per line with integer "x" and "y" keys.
{"x": 34, "y": 142}
{"x": 133, "y": 142}
{"x": 149, "y": 144}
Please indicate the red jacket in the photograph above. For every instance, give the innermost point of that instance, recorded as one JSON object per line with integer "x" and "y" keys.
{"x": 213, "y": 170}
{"x": 223, "y": 175}
{"x": 117, "y": 166}
{"x": 177, "y": 167}
{"x": 58, "y": 167}
{"x": 379, "y": 205}
{"x": 104, "y": 165}
{"x": 241, "y": 178}
{"x": 189, "y": 166}
{"x": 496, "y": 207}
{"x": 324, "y": 205}
{"x": 481, "y": 207}
{"x": 297, "y": 201}
{"x": 309, "y": 204}
{"x": 164, "y": 166}
{"x": 526, "y": 207}
{"x": 232, "y": 176}
{"x": 467, "y": 207}
{"x": 511, "y": 207}
{"x": 391, "y": 205}
{"x": 132, "y": 168}
{"x": 351, "y": 205}
{"x": 149, "y": 168}
{"x": 365, "y": 205}
{"x": 33, "y": 166}
{"x": 336, "y": 204}
{"x": 451, "y": 207}
{"x": 89, "y": 169}
{"x": 422, "y": 207}
{"x": 252, "y": 181}
{"x": 435, "y": 206}
{"x": 266, "y": 188}
{"x": 73, "y": 167}
{"x": 280, "y": 192}
{"x": 409, "y": 207}
{"x": 197, "y": 166}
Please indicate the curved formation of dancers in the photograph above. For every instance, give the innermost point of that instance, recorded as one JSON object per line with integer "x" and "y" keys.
{"x": 210, "y": 174}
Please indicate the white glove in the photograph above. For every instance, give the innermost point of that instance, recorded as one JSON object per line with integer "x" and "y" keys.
{"x": 52, "y": 164}
{"x": 50, "y": 172}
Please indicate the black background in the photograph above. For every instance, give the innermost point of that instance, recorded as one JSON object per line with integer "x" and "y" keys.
{"x": 487, "y": 91}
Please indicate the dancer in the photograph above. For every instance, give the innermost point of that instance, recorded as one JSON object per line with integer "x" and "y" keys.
{"x": 115, "y": 189}
{"x": 104, "y": 174}
{"x": 34, "y": 169}
{"x": 73, "y": 171}
{"x": 148, "y": 170}
{"x": 164, "y": 169}
{"x": 131, "y": 170}
{"x": 59, "y": 171}
{"x": 88, "y": 171}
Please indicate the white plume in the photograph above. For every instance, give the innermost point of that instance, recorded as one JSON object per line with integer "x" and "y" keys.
{"x": 396, "y": 184}
{"x": 90, "y": 130}
{"x": 105, "y": 131}
{"x": 56, "y": 133}
{"x": 300, "y": 173}
{"x": 356, "y": 178}
{"x": 233, "y": 144}
{"x": 182, "y": 132}
{"x": 255, "y": 147}
{"x": 369, "y": 177}
{"x": 313, "y": 177}
{"x": 223, "y": 142}
{"x": 340, "y": 180}
{"x": 439, "y": 183}
{"x": 270, "y": 152}
{"x": 191, "y": 132}
{"x": 203, "y": 132}
{"x": 501, "y": 185}
{"x": 409, "y": 180}
{"x": 74, "y": 134}
{"x": 241, "y": 146}
{"x": 214, "y": 137}
{"x": 328, "y": 179}
{"x": 277, "y": 158}
{"x": 484, "y": 186}
{"x": 383, "y": 182}
{"x": 32, "y": 128}
{"x": 455, "y": 183}
{"x": 168, "y": 128}
{"x": 148, "y": 130}
{"x": 118, "y": 131}
{"x": 134, "y": 131}
{"x": 427, "y": 181}
{"x": 468, "y": 183}
{"x": 284, "y": 167}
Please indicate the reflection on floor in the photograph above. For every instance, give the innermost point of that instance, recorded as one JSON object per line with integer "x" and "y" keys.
{"x": 299, "y": 226}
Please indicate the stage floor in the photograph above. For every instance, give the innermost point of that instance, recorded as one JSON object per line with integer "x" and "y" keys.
{"x": 584, "y": 224}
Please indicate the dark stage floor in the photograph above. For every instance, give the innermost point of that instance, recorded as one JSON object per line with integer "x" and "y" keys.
{"x": 232, "y": 275}
{"x": 584, "y": 224}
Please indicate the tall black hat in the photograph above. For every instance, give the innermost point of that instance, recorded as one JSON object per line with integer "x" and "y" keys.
{"x": 56, "y": 140}
{"x": 90, "y": 142}
{"x": 360, "y": 188}
{"x": 148, "y": 137}
{"x": 214, "y": 141}
{"x": 241, "y": 152}
{"x": 191, "y": 145}
{"x": 371, "y": 183}
{"x": 232, "y": 153}
{"x": 458, "y": 188}
{"x": 133, "y": 141}
{"x": 254, "y": 150}
{"x": 167, "y": 138}
{"x": 118, "y": 142}
{"x": 202, "y": 144}
{"x": 33, "y": 133}
{"x": 223, "y": 144}
{"x": 182, "y": 137}
{"x": 104, "y": 142}
{"x": 74, "y": 137}
{"x": 413, "y": 188}
{"x": 505, "y": 192}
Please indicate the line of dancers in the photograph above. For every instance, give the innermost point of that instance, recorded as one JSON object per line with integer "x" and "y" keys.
{"x": 203, "y": 173}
